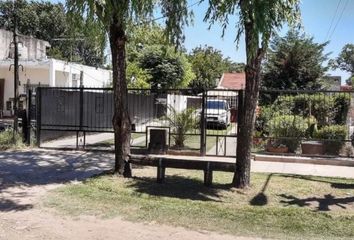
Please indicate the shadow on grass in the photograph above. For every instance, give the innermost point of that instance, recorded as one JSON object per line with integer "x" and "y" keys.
{"x": 261, "y": 198}
{"x": 179, "y": 187}
{"x": 333, "y": 184}
{"x": 323, "y": 203}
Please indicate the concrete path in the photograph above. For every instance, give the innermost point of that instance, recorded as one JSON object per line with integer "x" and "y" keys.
{"x": 91, "y": 139}
{"x": 70, "y": 142}
{"x": 226, "y": 146}
{"x": 282, "y": 167}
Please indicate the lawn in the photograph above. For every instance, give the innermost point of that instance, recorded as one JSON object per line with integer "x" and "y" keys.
{"x": 276, "y": 206}
{"x": 192, "y": 142}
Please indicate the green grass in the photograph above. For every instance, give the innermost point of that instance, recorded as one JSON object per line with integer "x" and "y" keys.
{"x": 290, "y": 207}
{"x": 6, "y": 140}
{"x": 193, "y": 142}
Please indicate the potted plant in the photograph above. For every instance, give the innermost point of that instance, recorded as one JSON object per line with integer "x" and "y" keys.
{"x": 181, "y": 122}
{"x": 312, "y": 147}
{"x": 276, "y": 146}
{"x": 287, "y": 130}
{"x": 333, "y": 138}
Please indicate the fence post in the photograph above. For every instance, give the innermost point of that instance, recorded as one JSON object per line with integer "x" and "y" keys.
{"x": 202, "y": 127}
{"x": 81, "y": 105}
{"x": 29, "y": 105}
{"x": 38, "y": 120}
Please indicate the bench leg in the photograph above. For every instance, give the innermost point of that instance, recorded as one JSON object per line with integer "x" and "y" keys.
{"x": 208, "y": 177}
{"x": 160, "y": 174}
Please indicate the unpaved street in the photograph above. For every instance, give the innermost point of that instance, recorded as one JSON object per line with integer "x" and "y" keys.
{"x": 25, "y": 176}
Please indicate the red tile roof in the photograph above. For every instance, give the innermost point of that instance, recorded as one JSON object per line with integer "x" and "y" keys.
{"x": 346, "y": 88}
{"x": 233, "y": 81}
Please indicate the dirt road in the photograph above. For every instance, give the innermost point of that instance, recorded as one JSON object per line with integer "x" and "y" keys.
{"x": 26, "y": 176}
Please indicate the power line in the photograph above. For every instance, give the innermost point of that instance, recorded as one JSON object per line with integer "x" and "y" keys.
{"x": 340, "y": 17}
{"x": 165, "y": 16}
{"x": 332, "y": 21}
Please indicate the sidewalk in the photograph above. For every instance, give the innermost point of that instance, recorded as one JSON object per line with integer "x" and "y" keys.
{"x": 282, "y": 167}
{"x": 70, "y": 142}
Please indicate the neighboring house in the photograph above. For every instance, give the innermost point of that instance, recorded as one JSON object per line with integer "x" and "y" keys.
{"x": 234, "y": 81}
{"x": 36, "y": 69}
{"x": 332, "y": 83}
{"x": 346, "y": 88}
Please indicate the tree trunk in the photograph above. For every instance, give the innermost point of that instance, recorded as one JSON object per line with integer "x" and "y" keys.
{"x": 247, "y": 119}
{"x": 121, "y": 121}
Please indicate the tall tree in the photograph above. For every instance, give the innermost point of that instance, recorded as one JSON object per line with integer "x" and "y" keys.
{"x": 345, "y": 61}
{"x": 79, "y": 42}
{"x": 208, "y": 65}
{"x": 116, "y": 16}
{"x": 168, "y": 68}
{"x": 293, "y": 62}
{"x": 258, "y": 20}
{"x": 153, "y": 61}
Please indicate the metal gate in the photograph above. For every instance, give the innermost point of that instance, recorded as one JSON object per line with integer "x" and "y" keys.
{"x": 82, "y": 112}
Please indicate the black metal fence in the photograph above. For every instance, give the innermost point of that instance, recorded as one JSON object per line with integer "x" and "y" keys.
{"x": 180, "y": 111}
{"x": 288, "y": 122}
{"x": 304, "y": 122}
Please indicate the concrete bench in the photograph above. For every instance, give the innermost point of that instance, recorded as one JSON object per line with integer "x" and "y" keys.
{"x": 169, "y": 162}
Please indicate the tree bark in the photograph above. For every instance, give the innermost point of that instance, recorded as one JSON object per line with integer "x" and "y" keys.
{"x": 121, "y": 120}
{"x": 247, "y": 119}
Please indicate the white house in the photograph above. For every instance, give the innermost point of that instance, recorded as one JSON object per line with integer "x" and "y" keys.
{"x": 36, "y": 69}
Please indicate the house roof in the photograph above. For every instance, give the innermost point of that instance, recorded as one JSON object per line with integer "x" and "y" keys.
{"x": 346, "y": 88}
{"x": 235, "y": 81}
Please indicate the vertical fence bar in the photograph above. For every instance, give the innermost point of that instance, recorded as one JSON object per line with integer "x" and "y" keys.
{"x": 29, "y": 107}
{"x": 202, "y": 127}
{"x": 81, "y": 106}
{"x": 38, "y": 120}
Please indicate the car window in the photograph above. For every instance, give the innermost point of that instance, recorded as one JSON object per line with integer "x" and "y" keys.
{"x": 216, "y": 105}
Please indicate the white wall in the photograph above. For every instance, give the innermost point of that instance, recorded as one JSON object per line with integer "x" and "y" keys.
{"x": 178, "y": 102}
{"x": 35, "y": 76}
{"x": 54, "y": 73}
{"x": 34, "y": 49}
{"x": 92, "y": 77}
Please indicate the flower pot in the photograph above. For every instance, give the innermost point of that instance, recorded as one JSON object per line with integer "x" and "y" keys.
{"x": 313, "y": 147}
{"x": 332, "y": 147}
{"x": 277, "y": 149}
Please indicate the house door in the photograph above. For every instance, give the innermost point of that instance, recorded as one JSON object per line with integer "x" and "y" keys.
{"x": 2, "y": 90}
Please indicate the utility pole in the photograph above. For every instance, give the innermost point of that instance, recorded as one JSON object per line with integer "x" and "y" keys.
{"x": 16, "y": 68}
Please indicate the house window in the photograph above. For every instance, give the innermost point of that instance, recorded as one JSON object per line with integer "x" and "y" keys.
{"x": 75, "y": 80}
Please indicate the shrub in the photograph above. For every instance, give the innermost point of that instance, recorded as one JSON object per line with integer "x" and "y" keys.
{"x": 341, "y": 106}
{"x": 288, "y": 130}
{"x": 327, "y": 109}
{"x": 6, "y": 139}
{"x": 333, "y": 137}
{"x": 181, "y": 123}
{"x": 265, "y": 114}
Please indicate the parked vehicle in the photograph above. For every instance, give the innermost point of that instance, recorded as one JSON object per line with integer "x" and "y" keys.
{"x": 218, "y": 113}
